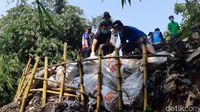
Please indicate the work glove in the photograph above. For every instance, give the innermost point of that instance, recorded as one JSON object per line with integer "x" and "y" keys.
{"x": 92, "y": 54}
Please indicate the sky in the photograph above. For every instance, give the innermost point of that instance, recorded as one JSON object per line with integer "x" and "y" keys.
{"x": 4, "y": 6}
{"x": 145, "y": 15}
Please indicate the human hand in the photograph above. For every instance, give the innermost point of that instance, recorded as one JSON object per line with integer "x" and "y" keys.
{"x": 117, "y": 49}
{"x": 92, "y": 54}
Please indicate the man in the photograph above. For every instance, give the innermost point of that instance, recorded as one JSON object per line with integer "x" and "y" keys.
{"x": 157, "y": 36}
{"x": 131, "y": 38}
{"x": 102, "y": 37}
{"x": 173, "y": 28}
{"x": 86, "y": 43}
{"x": 107, "y": 18}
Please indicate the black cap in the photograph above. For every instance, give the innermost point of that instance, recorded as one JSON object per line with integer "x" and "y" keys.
{"x": 157, "y": 29}
{"x": 117, "y": 23}
{"x": 106, "y": 14}
{"x": 171, "y": 16}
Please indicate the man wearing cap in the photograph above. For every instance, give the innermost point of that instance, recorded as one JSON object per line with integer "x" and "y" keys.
{"x": 107, "y": 18}
{"x": 173, "y": 27}
{"x": 102, "y": 37}
{"x": 86, "y": 42}
{"x": 131, "y": 38}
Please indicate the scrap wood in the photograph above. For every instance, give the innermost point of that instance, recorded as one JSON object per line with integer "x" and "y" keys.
{"x": 195, "y": 54}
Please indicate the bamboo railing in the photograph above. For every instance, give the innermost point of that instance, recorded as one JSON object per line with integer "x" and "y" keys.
{"x": 26, "y": 92}
{"x": 24, "y": 86}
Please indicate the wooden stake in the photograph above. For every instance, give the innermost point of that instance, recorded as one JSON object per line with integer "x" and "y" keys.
{"x": 81, "y": 72}
{"x": 29, "y": 85}
{"x": 39, "y": 78}
{"x": 144, "y": 51}
{"x": 65, "y": 52}
{"x": 55, "y": 92}
{"x": 44, "y": 93}
{"x": 99, "y": 82}
{"x": 119, "y": 80}
{"x": 62, "y": 81}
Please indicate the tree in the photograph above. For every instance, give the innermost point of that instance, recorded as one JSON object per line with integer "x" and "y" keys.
{"x": 95, "y": 22}
{"x": 21, "y": 34}
{"x": 190, "y": 10}
{"x": 9, "y": 73}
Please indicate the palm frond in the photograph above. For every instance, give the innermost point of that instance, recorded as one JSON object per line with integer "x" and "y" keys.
{"x": 40, "y": 15}
{"x": 47, "y": 14}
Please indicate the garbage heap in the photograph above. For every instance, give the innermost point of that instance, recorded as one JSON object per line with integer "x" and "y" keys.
{"x": 173, "y": 81}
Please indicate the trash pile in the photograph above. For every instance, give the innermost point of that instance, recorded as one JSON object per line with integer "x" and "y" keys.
{"x": 172, "y": 81}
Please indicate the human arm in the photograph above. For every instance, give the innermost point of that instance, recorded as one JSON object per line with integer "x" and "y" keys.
{"x": 122, "y": 43}
{"x": 93, "y": 47}
{"x": 169, "y": 27}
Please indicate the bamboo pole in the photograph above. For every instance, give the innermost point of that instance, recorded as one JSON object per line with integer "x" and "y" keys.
{"x": 44, "y": 93}
{"x": 54, "y": 92}
{"x": 39, "y": 78}
{"x": 81, "y": 72}
{"x": 144, "y": 51}
{"x": 65, "y": 52}
{"x": 62, "y": 81}
{"x": 99, "y": 82}
{"x": 119, "y": 81}
{"x": 19, "y": 87}
{"x": 22, "y": 79}
{"x": 68, "y": 90}
{"x": 29, "y": 85}
{"x": 121, "y": 57}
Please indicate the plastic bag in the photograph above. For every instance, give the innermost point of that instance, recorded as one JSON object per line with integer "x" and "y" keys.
{"x": 109, "y": 98}
{"x": 52, "y": 84}
{"x": 132, "y": 88}
{"x": 158, "y": 60}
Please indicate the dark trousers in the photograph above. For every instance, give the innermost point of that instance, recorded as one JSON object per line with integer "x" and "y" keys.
{"x": 86, "y": 52}
{"x": 107, "y": 49}
{"x": 132, "y": 47}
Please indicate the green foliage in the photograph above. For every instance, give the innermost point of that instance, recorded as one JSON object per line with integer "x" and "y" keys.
{"x": 21, "y": 34}
{"x": 190, "y": 10}
{"x": 96, "y": 21}
{"x": 9, "y": 73}
{"x": 166, "y": 35}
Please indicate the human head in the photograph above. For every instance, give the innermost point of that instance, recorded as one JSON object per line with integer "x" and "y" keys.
{"x": 103, "y": 27}
{"x": 117, "y": 26}
{"x": 171, "y": 18}
{"x": 150, "y": 34}
{"x": 106, "y": 15}
{"x": 157, "y": 29}
{"x": 88, "y": 29}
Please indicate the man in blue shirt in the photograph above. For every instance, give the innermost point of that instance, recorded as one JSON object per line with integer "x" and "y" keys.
{"x": 157, "y": 36}
{"x": 131, "y": 38}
